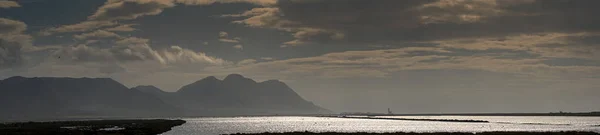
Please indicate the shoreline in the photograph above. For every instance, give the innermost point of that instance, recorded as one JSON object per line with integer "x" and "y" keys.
{"x": 98, "y": 127}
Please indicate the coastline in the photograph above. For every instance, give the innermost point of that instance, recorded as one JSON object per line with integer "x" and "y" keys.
{"x": 98, "y": 127}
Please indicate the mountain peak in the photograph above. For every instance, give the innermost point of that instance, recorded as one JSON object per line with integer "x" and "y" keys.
{"x": 15, "y": 78}
{"x": 210, "y": 78}
{"x": 234, "y": 76}
{"x": 146, "y": 87}
{"x": 237, "y": 78}
{"x": 149, "y": 89}
{"x": 272, "y": 81}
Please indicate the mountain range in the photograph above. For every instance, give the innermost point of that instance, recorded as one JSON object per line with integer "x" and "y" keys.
{"x": 56, "y": 98}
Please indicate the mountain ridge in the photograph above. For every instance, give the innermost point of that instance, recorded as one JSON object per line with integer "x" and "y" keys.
{"x": 236, "y": 93}
{"x": 65, "y": 97}
{"x": 48, "y": 97}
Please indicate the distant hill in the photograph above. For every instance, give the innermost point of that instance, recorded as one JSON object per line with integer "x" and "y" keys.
{"x": 45, "y": 97}
{"x": 237, "y": 95}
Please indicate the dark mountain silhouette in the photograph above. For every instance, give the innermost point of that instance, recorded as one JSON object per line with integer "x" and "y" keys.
{"x": 57, "y": 98}
{"x": 44, "y": 97}
{"x": 237, "y": 95}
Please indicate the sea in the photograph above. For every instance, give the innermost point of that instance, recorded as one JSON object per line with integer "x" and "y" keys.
{"x": 231, "y": 125}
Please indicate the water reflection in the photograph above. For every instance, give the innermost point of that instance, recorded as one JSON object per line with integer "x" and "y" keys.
{"x": 318, "y": 124}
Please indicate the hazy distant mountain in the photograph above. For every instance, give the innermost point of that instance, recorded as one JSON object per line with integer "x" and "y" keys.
{"x": 149, "y": 89}
{"x": 46, "y": 97}
{"x": 237, "y": 95}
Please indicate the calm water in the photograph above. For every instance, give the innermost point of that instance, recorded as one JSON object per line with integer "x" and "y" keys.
{"x": 228, "y": 125}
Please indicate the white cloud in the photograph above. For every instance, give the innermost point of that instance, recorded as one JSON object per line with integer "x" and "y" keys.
{"x": 208, "y": 2}
{"x": 271, "y": 17}
{"x": 96, "y": 35}
{"x": 550, "y": 45}
{"x": 79, "y": 27}
{"x": 228, "y": 40}
{"x": 12, "y": 43}
{"x": 267, "y": 58}
{"x": 224, "y": 37}
{"x": 380, "y": 63}
{"x": 112, "y": 11}
{"x": 178, "y": 55}
{"x": 8, "y": 26}
{"x": 134, "y": 53}
{"x": 122, "y": 28}
{"x": 246, "y": 62}
{"x": 240, "y": 47}
{"x": 9, "y": 4}
{"x": 132, "y": 9}
{"x": 129, "y": 9}
{"x": 115, "y": 10}
{"x": 223, "y": 34}
{"x": 132, "y": 40}
{"x": 459, "y": 11}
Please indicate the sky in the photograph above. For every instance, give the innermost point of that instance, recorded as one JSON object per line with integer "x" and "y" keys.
{"x": 413, "y": 56}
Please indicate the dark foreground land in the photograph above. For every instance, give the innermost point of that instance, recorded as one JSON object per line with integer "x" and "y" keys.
{"x": 400, "y": 133}
{"x": 96, "y": 127}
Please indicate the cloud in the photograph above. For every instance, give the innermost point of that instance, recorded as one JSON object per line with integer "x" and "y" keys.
{"x": 208, "y": 2}
{"x": 79, "y": 27}
{"x": 8, "y": 26}
{"x": 99, "y": 34}
{"x": 223, "y": 34}
{"x": 465, "y": 11}
{"x": 129, "y": 9}
{"x": 178, "y": 55}
{"x": 548, "y": 45}
{"x": 240, "y": 47}
{"x": 304, "y": 35}
{"x": 9, "y": 4}
{"x": 419, "y": 20}
{"x": 267, "y": 58}
{"x": 116, "y": 10}
{"x": 122, "y": 28}
{"x": 132, "y": 40}
{"x": 342, "y": 64}
{"x": 10, "y": 54}
{"x": 224, "y": 37}
{"x": 246, "y": 62}
{"x": 132, "y": 9}
{"x": 112, "y": 11}
{"x": 271, "y": 18}
{"x": 322, "y": 25}
{"x": 384, "y": 62}
{"x": 228, "y": 40}
{"x": 134, "y": 53}
{"x": 12, "y": 43}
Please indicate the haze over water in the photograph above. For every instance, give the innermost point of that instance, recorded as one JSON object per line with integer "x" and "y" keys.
{"x": 230, "y": 125}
